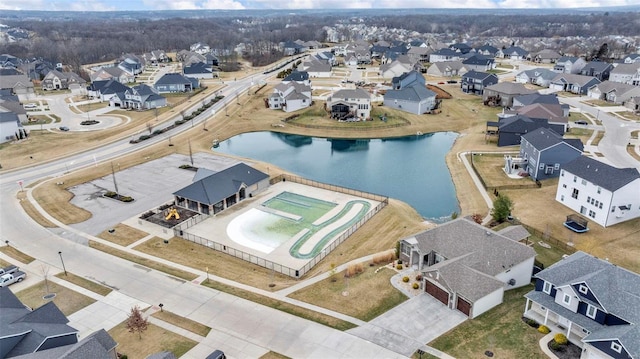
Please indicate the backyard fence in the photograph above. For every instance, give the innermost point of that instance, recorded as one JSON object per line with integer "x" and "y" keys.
{"x": 494, "y": 189}
{"x": 180, "y": 230}
{"x": 546, "y": 236}
{"x": 404, "y": 122}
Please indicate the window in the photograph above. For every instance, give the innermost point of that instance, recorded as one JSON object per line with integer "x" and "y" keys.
{"x": 592, "y": 214}
{"x": 575, "y": 179}
{"x": 584, "y": 182}
{"x": 556, "y": 166}
{"x": 592, "y": 200}
{"x": 599, "y": 190}
{"x": 600, "y": 206}
{"x": 566, "y": 299}
{"x": 583, "y": 210}
{"x": 547, "y": 287}
{"x": 616, "y": 347}
{"x": 541, "y": 166}
{"x": 574, "y": 193}
{"x": 613, "y": 209}
{"x": 562, "y": 198}
{"x": 583, "y": 289}
{"x": 406, "y": 249}
{"x": 562, "y": 173}
{"x": 564, "y": 185}
{"x": 591, "y": 311}
{"x": 588, "y": 199}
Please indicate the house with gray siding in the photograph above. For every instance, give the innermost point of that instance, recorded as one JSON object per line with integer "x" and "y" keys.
{"x": 545, "y": 152}
{"x": 474, "y": 82}
{"x": 466, "y": 266}
{"x": 626, "y": 74}
{"x": 410, "y": 94}
{"x": 511, "y": 129}
{"x": 593, "y": 302}
{"x": 447, "y": 69}
{"x": 503, "y": 93}
{"x": 212, "y": 192}
{"x": 569, "y": 65}
{"x": 175, "y": 82}
{"x": 597, "y": 69}
{"x": 577, "y": 84}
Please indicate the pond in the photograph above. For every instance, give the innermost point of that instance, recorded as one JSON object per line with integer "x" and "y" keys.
{"x": 411, "y": 169}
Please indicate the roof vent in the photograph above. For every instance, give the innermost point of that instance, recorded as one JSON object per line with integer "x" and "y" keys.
{"x": 511, "y": 281}
{"x": 487, "y": 233}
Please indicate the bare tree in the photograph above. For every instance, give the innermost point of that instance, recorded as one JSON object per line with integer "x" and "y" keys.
{"x": 136, "y": 322}
{"x": 45, "y": 273}
{"x": 149, "y": 127}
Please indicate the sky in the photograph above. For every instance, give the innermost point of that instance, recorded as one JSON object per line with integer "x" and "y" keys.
{"x": 122, "y": 5}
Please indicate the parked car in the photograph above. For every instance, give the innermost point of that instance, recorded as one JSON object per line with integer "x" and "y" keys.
{"x": 217, "y": 354}
{"x": 8, "y": 270}
{"x": 581, "y": 122}
{"x": 8, "y": 279}
{"x": 64, "y": 128}
{"x": 441, "y": 83}
{"x": 452, "y": 82}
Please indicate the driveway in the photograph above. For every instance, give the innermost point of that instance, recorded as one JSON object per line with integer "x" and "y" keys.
{"x": 410, "y": 325}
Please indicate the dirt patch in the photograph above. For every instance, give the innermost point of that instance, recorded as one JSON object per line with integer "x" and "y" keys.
{"x": 440, "y": 93}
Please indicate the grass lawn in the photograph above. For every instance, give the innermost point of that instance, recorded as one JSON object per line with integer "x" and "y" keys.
{"x": 143, "y": 261}
{"x": 84, "y": 283}
{"x": 182, "y": 322}
{"x": 124, "y": 235}
{"x": 66, "y": 300}
{"x": 601, "y": 103}
{"x": 274, "y": 355}
{"x": 92, "y": 106}
{"x": 631, "y": 150}
{"x": 4, "y": 263}
{"x": 597, "y": 139}
{"x": 547, "y": 256}
{"x": 16, "y": 254}
{"x": 578, "y": 116}
{"x": 32, "y": 212}
{"x": 628, "y": 115}
{"x": 582, "y": 133}
{"x": 490, "y": 168}
{"x": 360, "y": 302}
{"x": 283, "y": 306}
{"x": 154, "y": 339}
{"x": 499, "y": 330}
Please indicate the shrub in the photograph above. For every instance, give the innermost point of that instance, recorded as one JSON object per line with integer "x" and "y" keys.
{"x": 553, "y": 345}
{"x": 399, "y": 267}
{"x": 532, "y": 323}
{"x": 405, "y": 279}
{"x": 144, "y": 137}
{"x": 543, "y": 329}
{"x": 126, "y": 199}
{"x": 110, "y": 194}
{"x": 560, "y": 338}
{"x": 416, "y": 285}
{"x": 353, "y": 270}
{"x": 385, "y": 257}
{"x": 399, "y": 261}
{"x": 419, "y": 278}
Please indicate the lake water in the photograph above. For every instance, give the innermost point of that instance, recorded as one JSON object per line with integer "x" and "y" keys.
{"x": 411, "y": 169}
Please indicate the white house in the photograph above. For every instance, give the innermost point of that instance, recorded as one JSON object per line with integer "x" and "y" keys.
{"x": 289, "y": 97}
{"x": 626, "y": 74}
{"x": 605, "y": 194}
{"x": 569, "y": 65}
{"x": 350, "y": 105}
{"x": 467, "y": 266}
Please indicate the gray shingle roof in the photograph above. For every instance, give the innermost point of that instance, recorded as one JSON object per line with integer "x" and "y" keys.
{"x": 543, "y": 138}
{"x": 298, "y": 76}
{"x": 220, "y": 185}
{"x": 467, "y": 282}
{"x": 173, "y": 78}
{"x": 478, "y": 75}
{"x": 490, "y": 252}
{"x": 347, "y": 94}
{"x": 596, "y": 66}
{"x": 601, "y": 174}
{"x": 516, "y": 233}
{"x": 411, "y": 93}
{"x": 529, "y": 99}
{"x": 510, "y": 88}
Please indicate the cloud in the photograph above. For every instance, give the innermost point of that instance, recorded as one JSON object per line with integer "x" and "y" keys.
{"x": 222, "y": 4}
{"x": 22, "y": 5}
{"x": 90, "y": 5}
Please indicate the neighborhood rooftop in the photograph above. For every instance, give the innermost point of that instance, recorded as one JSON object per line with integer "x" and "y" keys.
{"x": 601, "y": 174}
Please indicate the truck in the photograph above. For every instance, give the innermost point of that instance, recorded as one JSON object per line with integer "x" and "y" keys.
{"x": 8, "y": 270}
{"x": 8, "y": 279}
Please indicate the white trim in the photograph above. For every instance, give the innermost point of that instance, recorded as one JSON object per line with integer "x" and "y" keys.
{"x": 56, "y": 336}
{"x": 583, "y": 289}
{"x": 616, "y": 347}
{"x": 595, "y": 311}
{"x": 544, "y": 286}
{"x": 564, "y": 298}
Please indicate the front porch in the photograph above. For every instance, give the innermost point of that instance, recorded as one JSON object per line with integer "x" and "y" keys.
{"x": 555, "y": 322}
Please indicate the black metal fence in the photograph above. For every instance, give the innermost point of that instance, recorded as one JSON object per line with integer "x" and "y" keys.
{"x": 180, "y": 230}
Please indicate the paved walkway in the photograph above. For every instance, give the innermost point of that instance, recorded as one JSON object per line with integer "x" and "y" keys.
{"x": 543, "y": 345}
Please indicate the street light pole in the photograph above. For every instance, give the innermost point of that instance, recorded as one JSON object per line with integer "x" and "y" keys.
{"x": 61, "y": 260}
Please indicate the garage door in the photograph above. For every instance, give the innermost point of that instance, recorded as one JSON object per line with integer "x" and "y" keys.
{"x": 463, "y": 306}
{"x": 438, "y": 293}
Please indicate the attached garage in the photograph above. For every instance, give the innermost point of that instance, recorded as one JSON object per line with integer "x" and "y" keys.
{"x": 463, "y": 306}
{"x": 438, "y": 293}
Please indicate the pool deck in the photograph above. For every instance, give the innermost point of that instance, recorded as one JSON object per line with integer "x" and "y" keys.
{"x": 215, "y": 227}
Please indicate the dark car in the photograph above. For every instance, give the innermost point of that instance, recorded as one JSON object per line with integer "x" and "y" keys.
{"x": 64, "y": 128}
{"x": 217, "y": 354}
{"x": 452, "y": 82}
{"x": 581, "y": 122}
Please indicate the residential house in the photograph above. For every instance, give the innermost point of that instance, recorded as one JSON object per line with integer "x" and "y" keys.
{"x": 56, "y": 80}
{"x": 362, "y": 55}
{"x": 132, "y": 64}
{"x": 290, "y": 96}
{"x": 545, "y": 56}
{"x": 36, "y": 69}
{"x": 396, "y": 68}
{"x": 393, "y": 53}
{"x": 199, "y": 70}
{"x": 18, "y": 84}
{"x": 513, "y": 53}
{"x": 447, "y": 69}
{"x": 467, "y": 266}
{"x": 569, "y": 65}
{"x": 577, "y": 84}
{"x": 530, "y": 99}
{"x": 187, "y": 57}
{"x": 14, "y": 107}
{"x": 626, "y": 74}
{"x": 350, "y": 105}
{"x": 511, "y": 129}
{"x": 479, "y": 63}
{"x": 25, "y": 331}
{"x": 328, "y": 57}
{"x": 474, "y": 82}
{"x": 175, "y": 82}
{"x": 377, "y": 50}
{"x": 10, "y": 127}
{"x": 597, "y": 69}
{"x": 555, "y": 114}
{"x": 631, "y": 58}
{"x": 545, "y": 152}
{"x": 461, "y": 48}
{"x": 211, "y": 59}
{"x": 419, "y": 54}
{"x": 487, "y": 50}
{"x": 9, "y": 61}
{"x": 156, "y": 57}
{"x": 107, "y": 89}
{"x": 410, "y": 94}
{"x": 301, "y": 77}
{"x": 633, "y": 104}
{"x": 593, "y": 302}
{"x": 502, "y": 93}
{"x": 444, "y": 54}
{"x": 614, "y": 92}
{"x": 200, "y": 48}
{"x": 418, "y": 43}
{"x": 143, "y": 97}
{"x": 290, "y": 48}
{"x": 316, "y": 67}
{"x": 603, "y": 193}
{"x": 539, "y": 76}
{"x": 212, "y": 192}
{"x": 113, "y": 72}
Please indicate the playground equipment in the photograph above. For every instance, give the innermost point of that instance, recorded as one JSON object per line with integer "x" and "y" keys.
{"x": 173, "y": 212}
